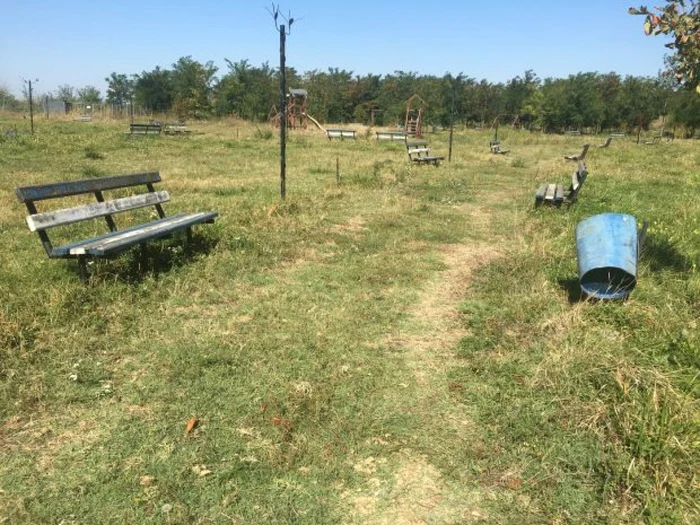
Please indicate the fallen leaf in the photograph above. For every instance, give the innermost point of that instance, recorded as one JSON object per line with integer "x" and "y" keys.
{"x": 514, "y": 483}
{"x": 201, "y": 470}
{"x": 146, "y": 481}
{"x": 191, "y": 424}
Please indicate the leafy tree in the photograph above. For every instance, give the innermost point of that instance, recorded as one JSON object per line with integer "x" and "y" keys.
{"x": 246, "y": 91}
{"x": 192, "y": 84}
{"x": 66, "y": 93}
{"x": 608, "y": 87}
{"x": 684, "y": 110}
{"x": 639, "y": 102}
{"x": 154, "y": 89}
{"x": 8, "y": 101}
{"x": 89, "y": 95}
{"x": 119, "y": 89}
{"x": 516, "y": 93}
{"x": 679, "y": 19}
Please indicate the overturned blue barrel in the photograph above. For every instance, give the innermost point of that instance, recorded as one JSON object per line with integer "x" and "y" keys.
{"x": 606, "y": 247}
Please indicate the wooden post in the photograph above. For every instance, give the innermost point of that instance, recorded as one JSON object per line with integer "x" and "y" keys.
{"x": 31, "y": 107}
{"x": 337, "y": 170}
{"x": 452, "y": 123}
{"x": 283, "y": 118}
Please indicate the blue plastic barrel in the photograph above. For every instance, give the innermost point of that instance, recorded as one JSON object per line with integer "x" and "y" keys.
{"x": 606, "y": 247}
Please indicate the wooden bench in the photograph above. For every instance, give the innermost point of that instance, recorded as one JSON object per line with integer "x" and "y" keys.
{"x": 419, "y": 152}
{"x": 606, "y": 143}
{"x": 495, "y": 146}
{"x": 341, "y": 134}
{"x": 145, "y": 129}
{"x": 391, "y": 135}
{"x": 580, "y": 156}
{"x": 653, "y": 141}
{"x": 115, "y": 240}
{"x": 176, "y": 129}
{"x": 555, "y": 195}
{"x": 572, "y": 132}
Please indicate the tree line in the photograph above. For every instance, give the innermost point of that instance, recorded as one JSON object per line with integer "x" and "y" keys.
{"x": 596, "y": 101}
{"x": 592, "y": 101}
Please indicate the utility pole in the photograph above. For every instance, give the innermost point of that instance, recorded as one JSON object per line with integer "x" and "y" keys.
{"x": 284, "y": 31}
{"x": 283, "y": 115}
{"x": 455, "y": 83}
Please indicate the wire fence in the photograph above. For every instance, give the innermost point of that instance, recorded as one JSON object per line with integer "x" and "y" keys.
{"x": 57, "y": 109}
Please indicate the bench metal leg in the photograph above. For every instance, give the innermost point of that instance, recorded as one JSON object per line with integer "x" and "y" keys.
{"x": 143, "y": 258}
{"x": 82, "y": 265}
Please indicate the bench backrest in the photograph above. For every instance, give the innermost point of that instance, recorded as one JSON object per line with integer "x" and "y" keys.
{"x": 153, "y": 126}
{"x": 391, "y": 135}
{"x": 578, "y": 177}
{"x": 40, "y": 222}
{"x": 341, "y": 133}
{"x": 584, "y": 151}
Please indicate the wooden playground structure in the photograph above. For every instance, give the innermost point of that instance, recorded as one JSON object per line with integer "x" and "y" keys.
{"x": 415, "y": 107}
{"x": 297, "y": 110}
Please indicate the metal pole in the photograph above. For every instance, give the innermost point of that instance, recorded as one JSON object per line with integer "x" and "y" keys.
{"x": 31, "y": 107}
{"x": 283, "y": 118}
{"x": 452, "y": 124}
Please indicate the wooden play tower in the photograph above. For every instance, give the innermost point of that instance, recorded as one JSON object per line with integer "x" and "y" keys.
{"x": 297, "y": 110}
{"x": 414, "y": 116}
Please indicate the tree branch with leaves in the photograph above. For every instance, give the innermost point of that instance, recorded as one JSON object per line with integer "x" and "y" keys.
{"x": 680, "y": 20}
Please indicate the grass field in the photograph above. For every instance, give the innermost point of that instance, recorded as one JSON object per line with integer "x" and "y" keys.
{"x": 405, "y": 346}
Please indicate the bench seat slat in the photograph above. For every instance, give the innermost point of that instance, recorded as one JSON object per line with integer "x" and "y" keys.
{"x": 539, "y": 195}
{"x": 427, "y": 159}
{"x": 417, "y": 151}
{"x": 558, "y": 194}
{"x": 65, "y": 189}
{"x": 115, "y": 242}
{"x": 51, "y": 219}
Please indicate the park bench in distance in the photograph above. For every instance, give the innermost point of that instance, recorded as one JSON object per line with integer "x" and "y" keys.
{"x": 145, "y": 129}
{"x": 653, "y": 141}
{"x": 580, "y": 156}
{"x": 341, "y": 134}
{"x": 391, "y": 135}
{"x": 176, "y": 128}
{"x": 419, "y": 153}
{"x": 555, "y": 195}
{"x": 495, "y": 146}
{"x": 116, "y": 240}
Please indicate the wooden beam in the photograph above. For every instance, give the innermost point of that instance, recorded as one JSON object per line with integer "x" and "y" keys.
{"x": 51, "y": 219}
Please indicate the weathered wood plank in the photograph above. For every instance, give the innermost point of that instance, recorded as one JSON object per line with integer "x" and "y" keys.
{"x": 78, "y": 187}
{"x": 391, "y": 135}
{"x": 341, "y": 133}
{"x": 116, "y": 242}
{"x": 418, "y": 151}
{"x": 51, "y": 219}
{"x": 558, "y": 194}
{"x": 549, "y": 194}
{"x": 539, "y": 194}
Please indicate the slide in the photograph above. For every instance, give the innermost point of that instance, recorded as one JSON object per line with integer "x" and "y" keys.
{"x": 316, "y": 122}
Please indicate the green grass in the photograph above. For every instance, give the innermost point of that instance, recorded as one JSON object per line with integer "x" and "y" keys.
{"x": 405, "y": 346}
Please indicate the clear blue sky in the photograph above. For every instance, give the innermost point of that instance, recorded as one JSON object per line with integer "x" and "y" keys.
{"x": 80, "y": 42}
